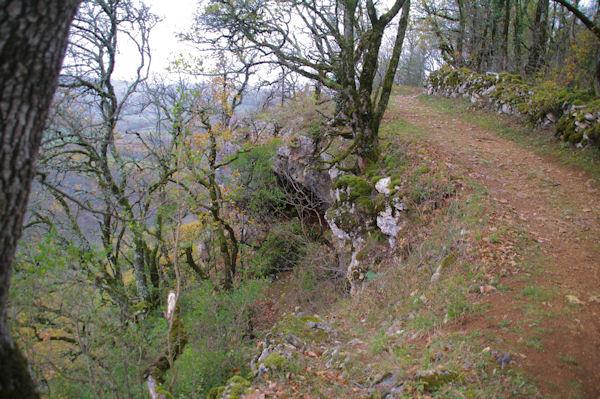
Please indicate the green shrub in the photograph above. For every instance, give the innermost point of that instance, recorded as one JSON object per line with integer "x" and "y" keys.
{"x": 258, "y": 191}
{"x": 281, "y": 251}
{"x": 219, "y": 330}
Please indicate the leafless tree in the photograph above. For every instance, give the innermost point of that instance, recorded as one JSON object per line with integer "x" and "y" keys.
{"x": 333, "y": 42}
{"x": 97, "y": 175}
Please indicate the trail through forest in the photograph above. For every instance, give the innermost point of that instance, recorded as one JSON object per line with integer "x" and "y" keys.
{"x": 546, "y": 312}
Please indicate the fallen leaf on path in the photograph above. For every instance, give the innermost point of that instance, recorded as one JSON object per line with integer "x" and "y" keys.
{"x": 412, "y": 370}
{"x": 572, "y": 299}
{"x": 595, "y": 298}
{"x": 484, "y": 289}
{"x": 254, "y": 395}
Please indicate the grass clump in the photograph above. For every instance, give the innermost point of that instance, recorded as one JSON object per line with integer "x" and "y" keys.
{"x": 282, "y": 250}
{"x": 299, "y": 326}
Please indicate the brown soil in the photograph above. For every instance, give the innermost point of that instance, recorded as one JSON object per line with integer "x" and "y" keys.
{"x": 550, "y": 338}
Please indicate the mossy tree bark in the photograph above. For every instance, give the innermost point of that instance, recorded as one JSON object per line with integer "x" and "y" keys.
{"x": 33, "y": 39}
{"x": 154, "y": 374}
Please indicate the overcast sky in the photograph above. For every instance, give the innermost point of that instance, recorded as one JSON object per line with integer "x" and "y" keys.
{"x": 177, "y": 16}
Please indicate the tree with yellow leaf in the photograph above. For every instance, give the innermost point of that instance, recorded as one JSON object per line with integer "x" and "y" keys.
{"x": 211, "y": 144}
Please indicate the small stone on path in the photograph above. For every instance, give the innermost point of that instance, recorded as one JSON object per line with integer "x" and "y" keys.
{"x": 504, "y": 359}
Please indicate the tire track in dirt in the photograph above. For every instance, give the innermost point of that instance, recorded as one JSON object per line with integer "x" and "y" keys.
{"x": 559, "y": 206}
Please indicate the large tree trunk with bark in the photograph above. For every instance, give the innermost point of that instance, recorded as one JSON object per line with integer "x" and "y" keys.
{"x": 33, "y": 39}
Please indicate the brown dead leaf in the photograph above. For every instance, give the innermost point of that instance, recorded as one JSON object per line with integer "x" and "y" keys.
{"x": 484, "y": 289}
{"x": 412, "y": 370}
{"x": 595, "y": 298}
{"x": 572, "y": 299}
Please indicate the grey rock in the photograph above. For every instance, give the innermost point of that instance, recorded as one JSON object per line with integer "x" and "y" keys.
{"x": 293, "y": 340}
{"x": 436, "y": 275}
{"x": 467, "y": 365}
{"x": 400, "y": 206}
{"x": 262, "y": 369}
{"x": 296, "y": 161}
{"x": 396, "y": 392}
{"x": 504, "y": 359}
{"x": 382, "y": 186}
{"x": 384, "y": 383}
{"x": 316, "y": 324}
{"x": 580, "y": 126}
{"x": 390, "y": 223}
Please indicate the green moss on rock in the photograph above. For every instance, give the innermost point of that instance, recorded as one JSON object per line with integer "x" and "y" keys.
{"x": 359, "y": 187}
{"x": 216, "y": 392}
{"x": 275, "y": 361}
{"x": 356, "y": 190}
{"x": 380, "y": 203}
{"x": 343, "y": 218}
{"x": 375, "y": 179}
{"x": 397, "y": 180}
{"x": 509, "y": 78}
{"x": 434, "y": 379}
{"x": 298, "y": 326}
{"x": 449, "y": 260}
{"x": 534, "y": 102}
{"x": 236, "y": 386}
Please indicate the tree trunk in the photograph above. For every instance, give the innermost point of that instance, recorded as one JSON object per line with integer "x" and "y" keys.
{"x": 505, "y": 35}
{"x": 461, "y": 33}
{"x": 33, "y": 39}
{"x": 139, "y": 267}
{"x": 482, "y": 52}
{"x": 388, "y": 80}
{"x": 538, "y": 41}
{"x": 517, "y": 33}
{"x": 597, "y": 72}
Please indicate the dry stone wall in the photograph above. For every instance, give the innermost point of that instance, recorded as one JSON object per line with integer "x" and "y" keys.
{"x": 574, "y": 114}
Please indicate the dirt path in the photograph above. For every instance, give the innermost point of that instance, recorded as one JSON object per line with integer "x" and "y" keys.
{"x": 553, "y": 338}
